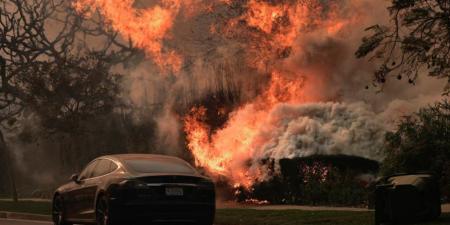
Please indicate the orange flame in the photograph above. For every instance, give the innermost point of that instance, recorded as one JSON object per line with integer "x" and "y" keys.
{"x": 146, "y": 28}
{"x": 278, "y": 26}
{"x": 228, "y": 151}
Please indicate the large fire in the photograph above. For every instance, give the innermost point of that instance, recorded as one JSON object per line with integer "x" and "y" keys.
{"x": 229, "y": 151}
{"x": 268, "y": 32}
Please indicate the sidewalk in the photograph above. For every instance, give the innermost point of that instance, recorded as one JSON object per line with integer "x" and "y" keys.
{"x": 24, "y": 216}
{"x": 28, "y": 199}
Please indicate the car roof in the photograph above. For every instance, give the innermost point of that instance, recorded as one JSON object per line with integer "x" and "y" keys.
{"x": 123, "y": 157}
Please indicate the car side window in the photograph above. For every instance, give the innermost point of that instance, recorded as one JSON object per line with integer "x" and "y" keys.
{"x": 87, "y": 172}
{"x": 101, "y": 168}
{"x": 112, "y": 166}
{"x": 104, "y": 167}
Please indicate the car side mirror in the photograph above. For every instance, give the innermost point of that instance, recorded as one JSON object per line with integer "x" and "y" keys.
{"x": 74, "y": 178}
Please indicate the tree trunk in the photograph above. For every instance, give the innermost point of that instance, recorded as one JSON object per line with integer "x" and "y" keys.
{"x": 4, "y": 148}
{"x": 9, "y": 168}
{"x": 15, "y": 197}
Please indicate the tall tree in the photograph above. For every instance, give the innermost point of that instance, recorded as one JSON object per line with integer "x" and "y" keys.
{"x": 417, "y": 40}
{"x": 55, "y": 64}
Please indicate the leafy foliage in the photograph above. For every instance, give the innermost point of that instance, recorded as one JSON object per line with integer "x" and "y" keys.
{"x": 53, "y": 56}
{"x": 422, "y": 143}
{"x": 317, "y": 180}
{"x": 73, "y": 91}
{"x": 418, "y": 39}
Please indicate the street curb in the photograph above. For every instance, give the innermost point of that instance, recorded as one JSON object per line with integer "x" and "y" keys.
{"x": 24, "y": 216}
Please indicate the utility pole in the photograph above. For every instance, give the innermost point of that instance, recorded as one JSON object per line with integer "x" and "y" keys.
{"x": 3, "y": 147}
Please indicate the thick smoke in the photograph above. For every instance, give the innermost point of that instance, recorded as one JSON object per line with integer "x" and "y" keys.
{"x": 322, "y": 128}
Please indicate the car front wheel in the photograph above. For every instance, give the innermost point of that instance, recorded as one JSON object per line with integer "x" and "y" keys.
{"x": 58, "y": 211}
{"x": 103, "y": 215}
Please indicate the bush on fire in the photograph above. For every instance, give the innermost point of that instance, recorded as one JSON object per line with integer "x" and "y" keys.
{"x": 317, "y": 180}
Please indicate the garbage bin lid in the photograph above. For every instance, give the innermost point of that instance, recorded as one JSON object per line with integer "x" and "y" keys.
{"x": 417, "y": 180}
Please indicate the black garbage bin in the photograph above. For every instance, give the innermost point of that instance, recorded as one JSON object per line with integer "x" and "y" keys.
{"x": 407, "y": 198}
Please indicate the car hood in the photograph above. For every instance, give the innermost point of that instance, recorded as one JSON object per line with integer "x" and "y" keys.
{"x": 65, "y": 187}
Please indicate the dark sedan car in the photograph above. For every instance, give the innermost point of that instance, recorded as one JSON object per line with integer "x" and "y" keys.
{"x": 135, "y": 188}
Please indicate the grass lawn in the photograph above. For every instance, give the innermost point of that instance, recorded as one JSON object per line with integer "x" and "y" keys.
{"x": 296, "y": 217}
{"x": 249, "y": 216}
{"x": 43, "y": 208}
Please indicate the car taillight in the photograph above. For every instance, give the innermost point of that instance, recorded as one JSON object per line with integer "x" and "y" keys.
{"x": 133, "y": 184}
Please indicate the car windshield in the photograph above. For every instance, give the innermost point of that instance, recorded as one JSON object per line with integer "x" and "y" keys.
{"x": 159, "y": 166}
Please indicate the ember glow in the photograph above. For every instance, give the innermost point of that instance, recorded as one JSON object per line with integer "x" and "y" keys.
{"x": 289, "y": 117}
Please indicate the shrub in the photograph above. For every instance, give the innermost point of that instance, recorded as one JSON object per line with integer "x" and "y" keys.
{"x": 421, "y": 144}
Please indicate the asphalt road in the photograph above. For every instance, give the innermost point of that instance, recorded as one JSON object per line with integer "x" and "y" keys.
{"x": 22, "y": 222}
